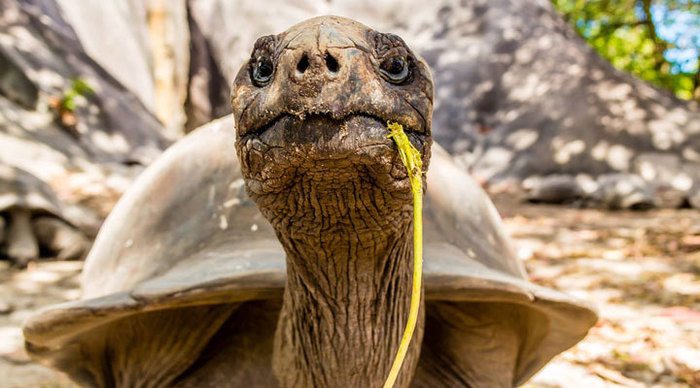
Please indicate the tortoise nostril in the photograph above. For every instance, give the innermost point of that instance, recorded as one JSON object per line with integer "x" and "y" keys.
{"x": 331, "y": 63}
{"x": 303, "y": 64}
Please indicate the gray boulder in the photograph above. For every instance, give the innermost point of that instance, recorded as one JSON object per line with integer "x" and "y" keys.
{"x": 518, "y": 93}
{"x": 62, "y": 116}
{"x": 555, "y": 188}
{"x": 623, "y": 192}
{"x": 694, "y": 196}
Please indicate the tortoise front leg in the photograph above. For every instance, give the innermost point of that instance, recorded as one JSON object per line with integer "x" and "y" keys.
{"x": 473, "y": 347}
{"x": 22, "y": 245}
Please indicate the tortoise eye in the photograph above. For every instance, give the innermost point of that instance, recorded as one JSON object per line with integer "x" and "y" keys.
{"x": 395, "y": 69}
{"x": 261, "y": 72}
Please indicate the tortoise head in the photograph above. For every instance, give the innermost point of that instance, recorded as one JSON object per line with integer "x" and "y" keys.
{"x": 312, "y": 104}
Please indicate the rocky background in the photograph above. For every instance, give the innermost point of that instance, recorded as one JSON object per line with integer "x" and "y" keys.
{"x": 92, "y": 91}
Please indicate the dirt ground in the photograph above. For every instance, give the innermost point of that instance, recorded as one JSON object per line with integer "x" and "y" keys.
{"x": 640, "y": 270}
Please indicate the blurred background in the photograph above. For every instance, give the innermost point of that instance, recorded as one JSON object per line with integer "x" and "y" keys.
{"x": 581, "y": 119}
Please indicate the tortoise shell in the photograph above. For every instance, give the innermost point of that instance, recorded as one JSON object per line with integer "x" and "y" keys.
{"x": 184, "y": 284}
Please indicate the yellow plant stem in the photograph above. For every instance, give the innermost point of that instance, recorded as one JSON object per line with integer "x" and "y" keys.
{"x": 411, "y": 158}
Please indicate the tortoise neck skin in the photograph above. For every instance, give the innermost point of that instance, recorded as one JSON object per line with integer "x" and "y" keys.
{"x": 311, "y": 108}
{"x": 348, "y": 288}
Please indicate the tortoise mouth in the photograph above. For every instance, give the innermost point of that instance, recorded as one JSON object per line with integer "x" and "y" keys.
{"x": 327, "y": 137}
{"x": 324, "y": 152}
{"x": 287, "y": 119}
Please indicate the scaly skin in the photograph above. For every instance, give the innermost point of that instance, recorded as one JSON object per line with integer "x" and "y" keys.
{"x": 313, "y": 146}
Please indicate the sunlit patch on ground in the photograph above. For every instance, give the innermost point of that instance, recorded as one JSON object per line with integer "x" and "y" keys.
{"x": 21, "y": 293}
{"x": 640, "y": 270}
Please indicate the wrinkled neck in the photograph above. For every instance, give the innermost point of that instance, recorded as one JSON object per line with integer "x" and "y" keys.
{"x": 349, "y": 268}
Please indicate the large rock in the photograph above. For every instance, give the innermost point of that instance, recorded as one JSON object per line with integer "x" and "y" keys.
{"x": 144, "y": 44}
{"x": 623, "y": 191}
{"x": 170, "y": 44}
{"x": 61, "y": 116}
{"x": 694, "y": 196}
{"x": 111, "y": 124}
{"x": 518, "y": 93}
{"x": 208, "y": 91}
{"x": 115, "y": 34}
{"x": 2, "y": 230}
{"x": 553, "y": 189}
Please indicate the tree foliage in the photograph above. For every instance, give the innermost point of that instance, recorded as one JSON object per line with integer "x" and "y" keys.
{"x": 656, "y": 40}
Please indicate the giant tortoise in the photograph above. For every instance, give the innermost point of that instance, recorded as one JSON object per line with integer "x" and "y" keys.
{"x": 286, "y": 260}
{"x": 36, "y": 221}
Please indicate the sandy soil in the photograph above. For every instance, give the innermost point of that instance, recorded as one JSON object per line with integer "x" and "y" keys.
{"x": 641, "y": 270}
{"x": 21, "y": 293}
